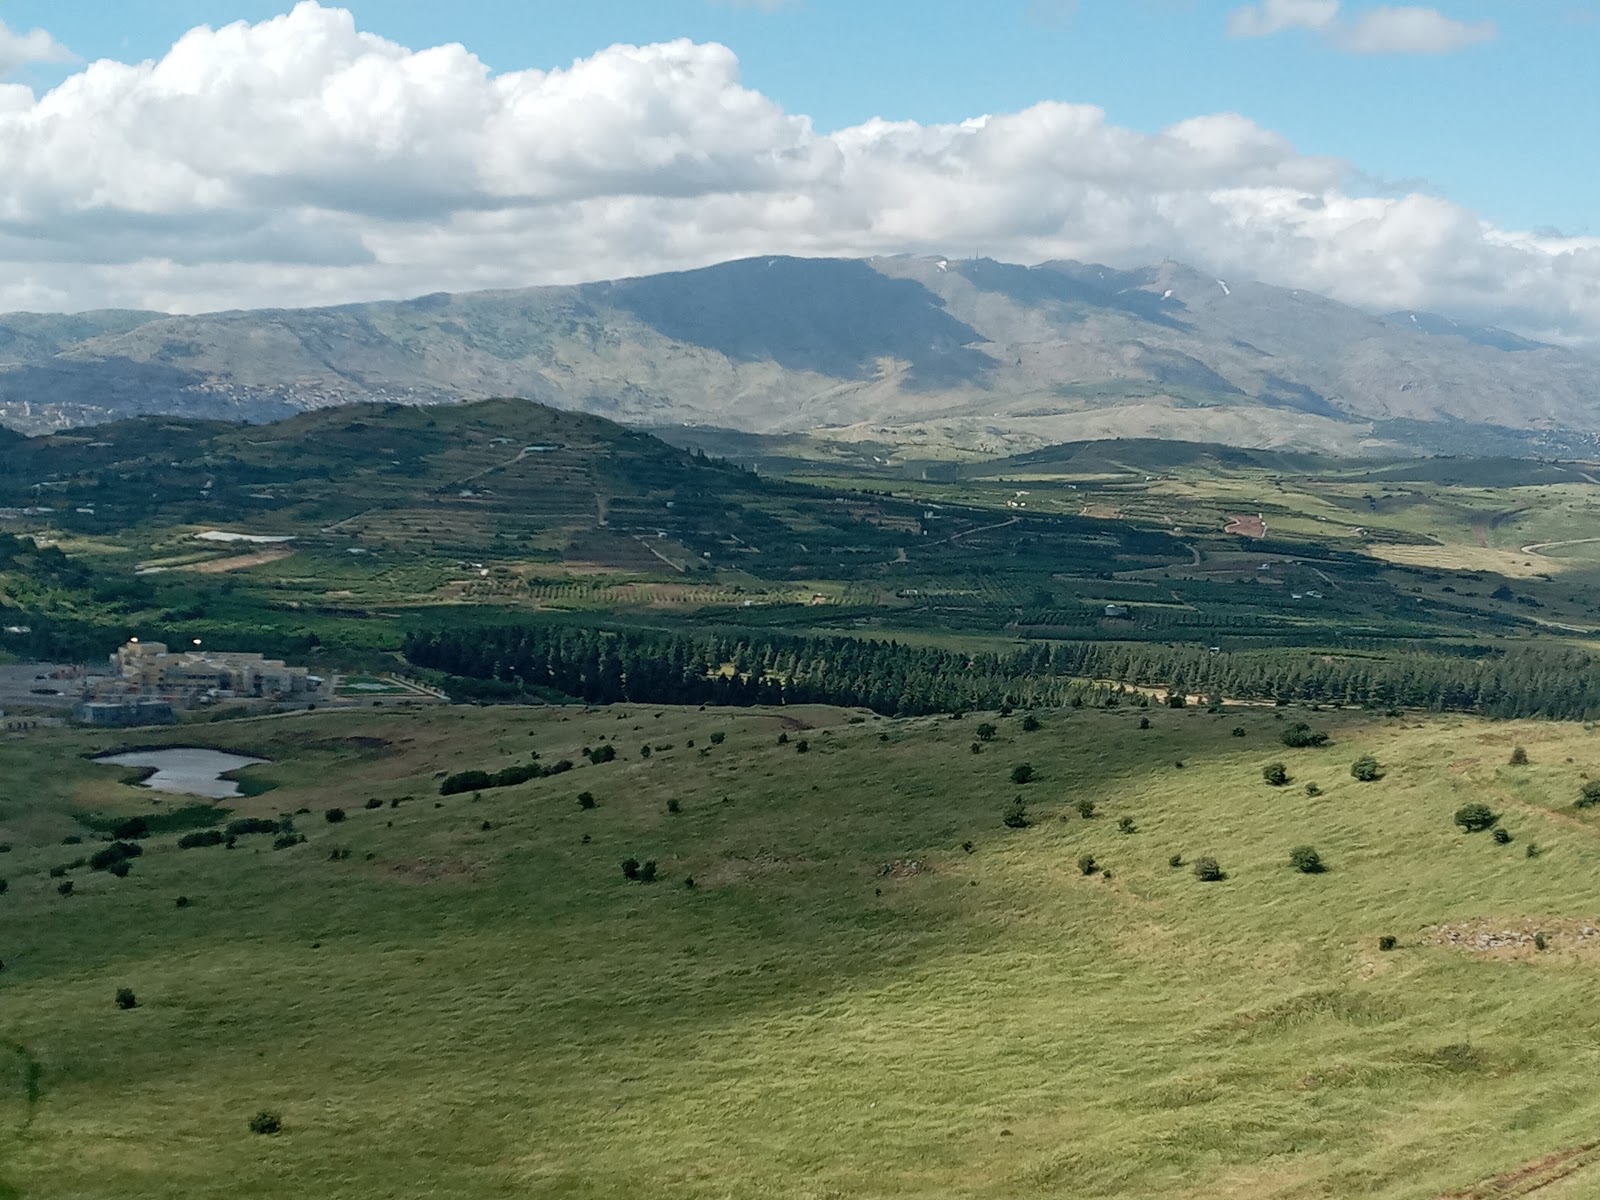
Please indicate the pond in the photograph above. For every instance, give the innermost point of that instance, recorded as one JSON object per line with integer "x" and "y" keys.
{"x": 186, "y": 770}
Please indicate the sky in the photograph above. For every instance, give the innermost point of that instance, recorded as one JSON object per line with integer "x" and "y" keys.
{"x": 199, "y": 154}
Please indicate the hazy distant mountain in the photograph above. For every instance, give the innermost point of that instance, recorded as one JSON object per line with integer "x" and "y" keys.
{"x": 916, "y": 351}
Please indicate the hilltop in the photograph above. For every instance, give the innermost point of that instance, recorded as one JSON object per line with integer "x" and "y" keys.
{"x": 940, "y": 355}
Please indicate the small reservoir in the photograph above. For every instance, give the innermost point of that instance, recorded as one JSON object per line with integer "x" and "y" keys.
{"x": 186, "y": 770}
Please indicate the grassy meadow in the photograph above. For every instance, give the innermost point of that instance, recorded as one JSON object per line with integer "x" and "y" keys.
{"x": 873, "y": 989}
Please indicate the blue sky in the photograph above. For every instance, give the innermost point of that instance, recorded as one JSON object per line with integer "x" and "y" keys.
{"x": 1509, "y": 128}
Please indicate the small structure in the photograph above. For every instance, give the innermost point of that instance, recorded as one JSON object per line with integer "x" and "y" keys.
{"x": 125, "y": 714}
{"x": 1116, "y": 610}
{"x": 152, "y": 667}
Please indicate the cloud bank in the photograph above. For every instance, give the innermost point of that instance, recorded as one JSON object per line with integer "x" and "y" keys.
{"x": 301, "y": 161}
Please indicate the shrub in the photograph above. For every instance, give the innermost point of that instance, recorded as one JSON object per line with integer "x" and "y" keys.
{"x": 1276, "y": 774}
{"x": 689, "y": 883}
{"x": 1502, "y": 837}
{"x": 1175, "y": 700}
{"x": 1313, "y": 789}
{"x": 182, "y": 902}
{"x": 1016, "y": 815}
{"x": 102, "y": 859}
{"x": 1206, "y": 870}
{"x": 630, "y": 868}
{"x": 1239, "y": 731}
{"x": 1030, "y": 724}
{"x": 333, "y": 816}
{"x": 57, "y": 872}
{"x": 673, "y": 806}
{"x": 602, "y": 754}
{"x": 1086, "y": 809}
{"x": 802, "y": 746}
{"x": 1590, "y": 796}
{"x": 374, "y": 803}
{"x": 986, "y": 732}
{"x": 132, "y": 829}
{"x": 1387, "y": 943}
{"x": 5, "y": 886}
{"x": 266, "y": 1123}
{"x": 1540, "y": 942}
{"x": 1533, "y": 850}
{"x": 1519, "y": 757}
{"x": 1306, "y": 860}
{"x": 1175, "y": 861}
{"x": 251, "y": 825}
{"x": 287, "y": 841}
{"x": 1022, "y": 773}
{"x": 199, "y": 838}
{"x": 1475, "y": 818}
{"x": 783, "y": 739}
{"x": 1300, "y": 735}
{"x": 1087, "y": 864}
{"x": 119, "y": 868}
{"x": 72, "y": 839}
{"x": 967, "y": 846}
{"x": 647, "y": 873}
{"x": 719, "y": 737}
{"x": 1126, "y": 825}
{"x": 644, "y": 750}
{"x": 126, "y": 999}
{"x": 464, "y": 781}
{"x": 1366, "y": 769}
{"x": 976, "y": 748}
{"x": 585, "y": 800}
{"x": 64, "y": 889}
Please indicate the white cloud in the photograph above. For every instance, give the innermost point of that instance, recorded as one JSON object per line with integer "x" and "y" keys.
{"x": 1275, "y": 16}
{"x": 1412, "y": 31}
{"x": 1385, "y": 30}
{"x": 300, "y": 161}
{"x": 35, "y": 46}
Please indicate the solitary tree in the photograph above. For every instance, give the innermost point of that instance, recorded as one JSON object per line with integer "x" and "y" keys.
{"x": 986, "y": 732}
{"x": 1306, "y": 860}
{"x": 1475, "y": 818}
{"x": 1519, "y": 757}
{"x": 1022, "y": 773}
{"x": 1590, "y": 796}
{"x": 1086, "y": 808}
{"x": 126, "y": 999}
{"x": 1087, "y": 864}
{"x": 1206, "y": 870}
{"x": 1300, "y": 735}
{"x": 1366, "y": 769}
{"x": 1016, "y": 815}
{"x": 1126, "y": 825}
{"x": 1276, "y": 774}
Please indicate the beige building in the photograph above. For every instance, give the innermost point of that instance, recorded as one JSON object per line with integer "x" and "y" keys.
{"x": 153, "y": 667}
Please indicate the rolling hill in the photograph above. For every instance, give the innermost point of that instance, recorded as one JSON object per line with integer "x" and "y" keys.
{"x": 972, "y": 356}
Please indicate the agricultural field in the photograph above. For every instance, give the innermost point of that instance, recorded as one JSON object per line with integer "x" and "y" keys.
{"x": 889, "y": 977}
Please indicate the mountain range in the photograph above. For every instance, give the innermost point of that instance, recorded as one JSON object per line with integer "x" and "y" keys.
{"x": 929, "y": 355}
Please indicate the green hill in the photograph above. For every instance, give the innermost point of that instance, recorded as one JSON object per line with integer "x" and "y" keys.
{"x": 875, "y": 988}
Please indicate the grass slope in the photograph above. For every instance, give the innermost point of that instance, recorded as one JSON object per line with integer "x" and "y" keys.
{"x": 477, "y": 1004}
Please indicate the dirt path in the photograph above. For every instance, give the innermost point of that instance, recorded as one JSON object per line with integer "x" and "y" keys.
{"x": 221, "y": 566}
{"x": 1480, "y": 534}
{"x": 1533, "y": 1178}
{"x": 1541, "y": 547}
{"x": 981, "y": 529}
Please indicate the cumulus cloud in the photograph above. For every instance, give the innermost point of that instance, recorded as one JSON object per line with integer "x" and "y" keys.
{"x": 301, "y": 161}
{"x": 35, "y": 46}
{"x": 1385, "y": 30}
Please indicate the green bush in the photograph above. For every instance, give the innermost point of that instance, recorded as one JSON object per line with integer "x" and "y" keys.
{"x": 1022, "y": 773}
{"x": 1175, "y": 862}
{"x": 1239, "y": 731}
{"x": 673, "y": 806}
{"x": 719, "y": 737}
{"x": 1387, "y": 942}
{"x": 132, "y": 829}
{"x": 1519, "y": 757}
{"x": 802, "y": 747}
{"x": 1313, "y": 789}
{"x": 126, "y": 999}
{"x": 1030, "y": 724}
{"x": 64, "y": 889}
{"x": 1475, "y": 818}
{"x": 1300, "y": 736}
{"x": 1276, "y": 774}
{"x": 1306, "y": 860}
{"x": 251, "y": 825}
{"x": 1590, "y": 795}
{"x": 1087, "y": 864}
{"x": 199, "y": 838}
{"x": 1533, "y": 850}
{"x": 1144, "y": 722}
{"x": 1207, "y": 870}
{"x": 1126, "y": 825}
{"x": 647, "y": 872}
{"x": 373, "y": 803}
{"x": 118, "y": 852}
{"x": 1016, "y": 815}
{"x": 120, "y": 868}
{"x": 333, "y": 816}
{"x": 586, "y": 800}
{"x": 1540, "y": 942}
{"x": 1502, "y": 837}
{"x": 608, "y": 753}
{"x": 986, "y": 732}
{"x": 266, "y": 1123}
{"x": 1366, "y": 769}
{"x": 630, "y": 868}
{"x": 1086, "y": 809}
{"x": 5, "y": 886}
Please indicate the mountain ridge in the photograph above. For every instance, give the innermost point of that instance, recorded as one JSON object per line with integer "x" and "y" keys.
{"x": 971, "y": 355}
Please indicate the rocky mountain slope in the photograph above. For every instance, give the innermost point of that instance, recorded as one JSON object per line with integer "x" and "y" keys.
{"x": 930, "y": 353}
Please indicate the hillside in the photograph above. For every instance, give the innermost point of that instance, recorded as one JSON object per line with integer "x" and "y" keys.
{"x": 875, "y": 988}
{"x": 932, "y": 355}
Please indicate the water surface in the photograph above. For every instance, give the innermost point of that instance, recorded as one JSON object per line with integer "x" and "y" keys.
{"x": 187, "y": 770}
